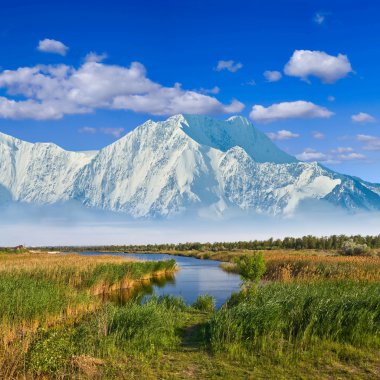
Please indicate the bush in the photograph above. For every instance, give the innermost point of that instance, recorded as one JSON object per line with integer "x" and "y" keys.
{"x": 205, "y": 303}
{"x": 252, "y": 268}
{"x": 350, "y": 248}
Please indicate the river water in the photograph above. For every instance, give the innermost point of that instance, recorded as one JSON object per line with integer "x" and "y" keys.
{"x": 194, "y": 278}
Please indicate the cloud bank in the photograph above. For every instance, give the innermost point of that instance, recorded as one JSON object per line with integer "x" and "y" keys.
{"x": 52, "y": 91}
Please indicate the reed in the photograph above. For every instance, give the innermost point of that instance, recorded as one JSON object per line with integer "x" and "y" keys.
{"x": 280, "y": 316}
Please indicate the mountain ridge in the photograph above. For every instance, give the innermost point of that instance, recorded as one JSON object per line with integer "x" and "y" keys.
{"x": 186, "y": 162}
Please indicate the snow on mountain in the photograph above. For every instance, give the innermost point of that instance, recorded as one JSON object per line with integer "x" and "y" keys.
{"x": 183, "y": 163}
{"x": 40, "y": 173}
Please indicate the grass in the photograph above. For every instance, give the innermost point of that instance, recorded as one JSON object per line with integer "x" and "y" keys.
{"x": 42, "y": 290}
{"x": 279, "y": 317}
{"x": 317, "y": 318}
{"x": 289, "y": 266}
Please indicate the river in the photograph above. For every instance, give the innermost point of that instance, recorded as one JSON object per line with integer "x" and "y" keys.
{"x": 194, "y": 278}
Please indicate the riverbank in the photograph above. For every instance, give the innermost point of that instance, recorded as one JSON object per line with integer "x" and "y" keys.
{"x": 39, "y": 291}
{"x": 317, "y": 317}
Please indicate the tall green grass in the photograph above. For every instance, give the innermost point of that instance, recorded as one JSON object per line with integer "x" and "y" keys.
{"x": 115, "y": 331}
{"x": 279, "y": 315}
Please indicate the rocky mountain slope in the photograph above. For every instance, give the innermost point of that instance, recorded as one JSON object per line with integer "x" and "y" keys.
{"x": 184, "y": 163}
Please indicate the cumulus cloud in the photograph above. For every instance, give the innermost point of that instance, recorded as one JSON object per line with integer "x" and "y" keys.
{"x": 115, "y": 132}
{"x": 371, "y": 143}
{"x": 52, "y": 91}
{"x": 88, "y": 130}
{"x": 335, "y": 156}
{"x": 341, "y": 149}
{"x": 52, "y": 46}
{"x": 272, "y": 76}
{"x": 362, "y": 117}
{"x": 328, "y": 68}
{"x": 311, "y": 155}
{"x": 351, "y": 156}
{"x": 282, "y": 135}
{"x": 230, "y": 65}
{"x": 95, "y": 57}
{"x": 318, "y": 135}
{"x": 289, "y": 110}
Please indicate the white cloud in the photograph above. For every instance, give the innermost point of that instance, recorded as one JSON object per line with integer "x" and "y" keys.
{"x": 362, "y": 117}
{"x": 331, "y": 98}
{"x": 88, "y": 130}
{"x": 289, "y": 110}
{"x": 95, "y": 57}
{"x": 282, "y": 135}
{"x": 272, "y": 76}
{"x": 328, "y": 68}
{"x": 52, "y": 46}
{"x": 52, "y": 91}
{"x": 371, "y": 143}
{"x": 318, "y": 135}
{"x": 311, "y": 155}
{"x": 214, "y": 90}
{"x": 351, "y": 156}
{"x": 343, "y": 150}
{"x": 115, "y": 132}
{"x": 230, "y": 65}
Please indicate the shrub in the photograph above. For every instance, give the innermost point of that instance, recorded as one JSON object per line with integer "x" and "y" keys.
{"x": 350, "y": 248}
{"x": 252, "y": 267}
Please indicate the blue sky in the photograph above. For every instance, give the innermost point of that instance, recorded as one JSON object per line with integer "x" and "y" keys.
{"x": 318, "y": 99}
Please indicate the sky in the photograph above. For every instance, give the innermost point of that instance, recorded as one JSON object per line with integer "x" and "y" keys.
{"x": 81, "y": 74}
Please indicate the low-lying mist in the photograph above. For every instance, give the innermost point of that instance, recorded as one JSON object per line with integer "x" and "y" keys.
{"x": 72, "y": 224}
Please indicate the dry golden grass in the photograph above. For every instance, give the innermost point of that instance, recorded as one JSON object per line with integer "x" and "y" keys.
{"x": 282, "y": 266}
{"x": 49, "y": 261}
{"x": 292, "y": 265}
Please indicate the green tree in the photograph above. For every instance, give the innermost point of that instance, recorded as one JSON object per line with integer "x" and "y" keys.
{"x": 251, "y": 268}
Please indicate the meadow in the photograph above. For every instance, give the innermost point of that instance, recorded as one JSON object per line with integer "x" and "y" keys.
{"x": 314, "y": 314}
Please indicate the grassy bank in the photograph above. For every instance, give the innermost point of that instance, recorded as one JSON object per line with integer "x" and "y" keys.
{"x": 315, "y": 316}
{"x": 43, "y": 290}
{"x": 284, "y": 331}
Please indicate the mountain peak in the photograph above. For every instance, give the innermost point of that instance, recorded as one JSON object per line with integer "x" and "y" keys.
{"x": 235, "y": 131}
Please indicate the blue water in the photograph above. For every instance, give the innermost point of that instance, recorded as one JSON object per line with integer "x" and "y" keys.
{"x": 195, "y": 277}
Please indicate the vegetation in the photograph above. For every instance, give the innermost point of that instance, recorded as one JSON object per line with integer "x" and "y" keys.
{"x": 351, "y": 248}
{"x": 314, "y": 315}
{"x": 251, "y": 268}
{"x": 42, "y": 290}
{"x": 333, "y": 242}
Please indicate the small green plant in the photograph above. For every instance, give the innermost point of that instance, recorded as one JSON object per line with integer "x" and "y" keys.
{"x": 251, "y": 268}
{"x": 204, "y": 303}
{"x": 51, "y": 353}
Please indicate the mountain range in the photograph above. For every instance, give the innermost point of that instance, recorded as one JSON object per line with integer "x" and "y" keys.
{"x": 185, "y": 163}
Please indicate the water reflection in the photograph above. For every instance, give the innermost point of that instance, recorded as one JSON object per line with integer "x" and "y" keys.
{"x": 195, "y": 277}
{"x": 139, "y": 293}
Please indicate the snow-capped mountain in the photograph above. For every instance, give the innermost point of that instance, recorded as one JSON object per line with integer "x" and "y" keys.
{"x": 180, "y": 164}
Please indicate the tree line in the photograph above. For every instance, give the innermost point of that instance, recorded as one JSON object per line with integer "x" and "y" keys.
{"x": 332, "y": 242}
